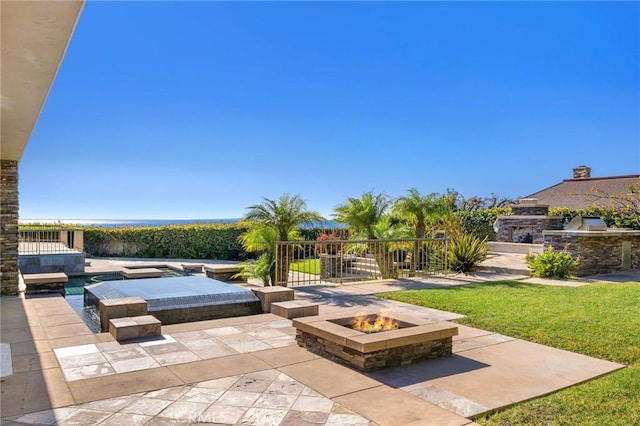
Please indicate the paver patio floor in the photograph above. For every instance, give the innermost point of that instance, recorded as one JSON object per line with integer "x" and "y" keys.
{"x": 248, "y": 370}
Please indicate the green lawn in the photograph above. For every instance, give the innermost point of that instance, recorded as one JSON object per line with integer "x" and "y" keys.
{"x": 308, "y": 266}
{"x": 599, "y": 320}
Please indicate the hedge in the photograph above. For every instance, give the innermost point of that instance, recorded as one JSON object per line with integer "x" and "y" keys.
{"x": 198, "y": 241}
{"x": 480, "y": 222}
{"x": 613, "y": 218}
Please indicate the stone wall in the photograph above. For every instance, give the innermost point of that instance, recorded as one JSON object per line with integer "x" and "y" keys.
{"x": 203, "y": 313}
{"x": 599, "y": 252}
{"x": 69, "y": 263}
{"x": 393, "y": 357}
{"x": 512, "y": 227}
{"x": 529, "y": 209}
{"x": 9, "y": 227}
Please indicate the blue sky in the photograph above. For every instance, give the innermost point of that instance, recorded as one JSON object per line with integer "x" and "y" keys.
{"x": 181, "y": 110}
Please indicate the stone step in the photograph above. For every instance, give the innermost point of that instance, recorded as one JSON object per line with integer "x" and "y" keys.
{"x": 295, "y": 308}
{"x": 47, "y": 283}
{"x": 134, "y": 327}
{"x": 141, "y": 273}
{"x": 505, "y": 263}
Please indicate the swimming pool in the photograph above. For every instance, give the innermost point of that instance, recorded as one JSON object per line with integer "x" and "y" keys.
{"x": 180, "y": 299}
{"x": 74, "y": 293}
{"x": 174, "y": 298}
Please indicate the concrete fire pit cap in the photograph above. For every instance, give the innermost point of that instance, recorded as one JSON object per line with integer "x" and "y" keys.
{"x": 353, "y": 313}
{"x": 414, "y": 330}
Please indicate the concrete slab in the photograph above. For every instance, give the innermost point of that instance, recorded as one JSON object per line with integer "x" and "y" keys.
{"x": 67, "y": 330}
{"x": 22, "y": 334}
{"x": 123, "y": 384}
{"x": 396, "y": 407}
{"x": 289, "y": 355}
{"x": 34, "y": 391}
{"x": 328, "y": 378}
{"x": 34, "y": 362}
{"x": 216, "y": 368}
{"x": 6, "y": 365}
{"x": 496, "y": 375}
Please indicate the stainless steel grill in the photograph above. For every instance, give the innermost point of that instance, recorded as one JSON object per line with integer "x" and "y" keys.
{"x": 586, "y": 223}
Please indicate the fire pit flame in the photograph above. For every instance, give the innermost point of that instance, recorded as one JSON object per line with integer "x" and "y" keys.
{"x": 380, "y": 323}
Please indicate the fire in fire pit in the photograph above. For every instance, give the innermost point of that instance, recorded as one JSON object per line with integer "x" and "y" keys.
{"x": 374, "y": 323}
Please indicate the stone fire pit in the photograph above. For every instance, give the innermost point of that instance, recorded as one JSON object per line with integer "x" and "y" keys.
{"x": 414, "y": 339}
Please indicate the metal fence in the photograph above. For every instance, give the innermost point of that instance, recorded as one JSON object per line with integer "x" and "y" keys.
{"x": 303, "y": 263}
{"x": 49, "y": 240}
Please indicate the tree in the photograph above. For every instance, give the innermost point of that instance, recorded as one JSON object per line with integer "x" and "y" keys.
{"x": 363, "y": 215}
{"x": 457, "y": 201}
{"x": 284, "y": 216}
{"x": 260, "y": 239}
{"x": 627, "y": 202}
{"x": 419, "y": 210}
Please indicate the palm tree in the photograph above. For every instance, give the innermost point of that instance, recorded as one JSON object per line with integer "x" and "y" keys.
{"x": 260, "y": 239}
{"x": 283, "y": 215}
{"x": 363, "y": 215}
{"x": 419, "y": 210}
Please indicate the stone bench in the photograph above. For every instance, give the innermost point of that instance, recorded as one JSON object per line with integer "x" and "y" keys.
{"x": 295, "y": 308}
{"x": 191, "y": 267}
{"x": 268, "y": 295}
{"x": 223, "y": 272}
{"x": 141, "y": 273}
{"x": 134, "y": 327}
{"x": 50, "y": 283}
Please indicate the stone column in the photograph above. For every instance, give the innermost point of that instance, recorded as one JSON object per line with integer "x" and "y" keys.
{"x": 9, "y": 227}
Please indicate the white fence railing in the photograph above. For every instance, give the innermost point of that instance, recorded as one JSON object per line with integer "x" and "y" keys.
{"x": 49, "y": 240}
{"x": 300, "y": 263}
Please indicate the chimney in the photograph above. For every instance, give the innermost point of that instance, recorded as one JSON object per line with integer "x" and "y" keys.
{"x": 581, "y": 172}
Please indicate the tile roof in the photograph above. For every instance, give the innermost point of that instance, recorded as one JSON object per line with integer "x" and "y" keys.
{"x": 574, "y": 193}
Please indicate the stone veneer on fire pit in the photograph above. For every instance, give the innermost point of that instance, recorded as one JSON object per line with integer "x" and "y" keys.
{"x": 416, "y": 339}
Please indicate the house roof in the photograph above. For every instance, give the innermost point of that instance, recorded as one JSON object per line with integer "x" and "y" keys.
{"x": 578, "y": 193}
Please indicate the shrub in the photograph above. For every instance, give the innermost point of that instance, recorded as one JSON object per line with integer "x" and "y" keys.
{"x": 480, "y": 222}
{"x": 466, "y": 251}
{"x": 613, "y": 218}
{"x": 260, "y": 269}
{"x": 552, "y": 264}
{"x": 327, "y": 244}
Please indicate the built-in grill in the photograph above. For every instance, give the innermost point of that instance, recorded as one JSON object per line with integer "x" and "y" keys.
{"x": 586, "y": 223}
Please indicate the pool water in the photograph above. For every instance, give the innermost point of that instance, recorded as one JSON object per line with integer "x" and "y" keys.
{"x": 74, "y": 293}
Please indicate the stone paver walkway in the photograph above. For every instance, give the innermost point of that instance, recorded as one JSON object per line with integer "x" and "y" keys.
{"x": 266, "y": 397}
{"x": 102, "y": 359}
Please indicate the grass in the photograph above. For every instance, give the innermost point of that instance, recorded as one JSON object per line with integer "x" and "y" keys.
{"x": 599, "y": 320}
{"x": 308, "y": 266}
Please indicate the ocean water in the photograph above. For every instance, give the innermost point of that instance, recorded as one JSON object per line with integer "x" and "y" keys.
{"x": 114, "y": 223}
